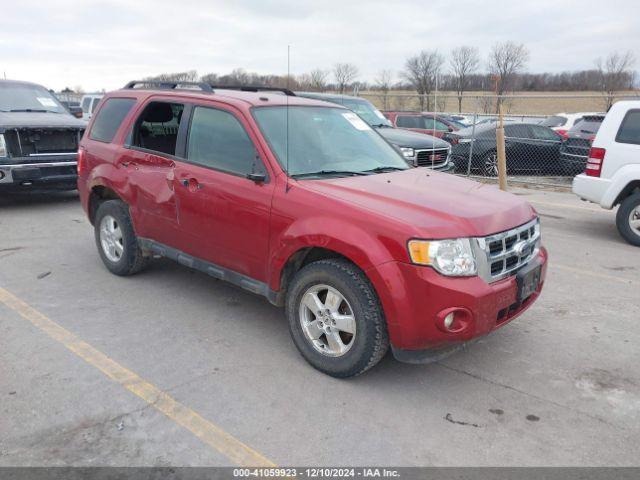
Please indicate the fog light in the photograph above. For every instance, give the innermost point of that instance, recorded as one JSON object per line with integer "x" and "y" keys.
{"x": 454, "y": 320}
{"x": 448, "y": 320}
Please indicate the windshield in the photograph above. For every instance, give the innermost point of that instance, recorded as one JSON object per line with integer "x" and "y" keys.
{"x": 21, "y": 97}
{"x": 554, "y": 121}
{"x": 325, "y": 141}
{"x": 366, "y": 111}
{"x": 587, "y": 125}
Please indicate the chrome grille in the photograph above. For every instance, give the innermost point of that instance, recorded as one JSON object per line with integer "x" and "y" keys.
{"x": 506, "y": 252}
{"x": 432, "y": 158}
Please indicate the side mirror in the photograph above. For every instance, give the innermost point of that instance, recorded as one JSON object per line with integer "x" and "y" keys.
{"x": 257, "y": 177}
{"x": 450, "y": 129}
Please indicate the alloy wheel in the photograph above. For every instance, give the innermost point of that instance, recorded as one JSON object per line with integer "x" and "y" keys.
{"x": 111, "y": 238}
{"x": 634, "y": 220}
{"x": 327, "y": 320}
{"x": 491, "y": 165}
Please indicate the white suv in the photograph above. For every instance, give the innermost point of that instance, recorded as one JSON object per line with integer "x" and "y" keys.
{"x": 612, "y": 175}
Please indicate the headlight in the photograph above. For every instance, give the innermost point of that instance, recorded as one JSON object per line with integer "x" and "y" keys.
{"x": 408, "y": 152}
{"x": 449, "y": 257}
{"x": 3, "y": 146}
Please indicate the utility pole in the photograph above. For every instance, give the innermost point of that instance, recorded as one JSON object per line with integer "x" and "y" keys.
{"x": 502, "y": 156}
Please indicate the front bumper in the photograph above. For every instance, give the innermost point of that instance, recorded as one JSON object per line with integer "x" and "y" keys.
{"x": 414, "y": 296}
{"x": 59, "y": 172}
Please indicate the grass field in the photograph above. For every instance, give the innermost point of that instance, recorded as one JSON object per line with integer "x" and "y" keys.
{"x": 542, "y": 103}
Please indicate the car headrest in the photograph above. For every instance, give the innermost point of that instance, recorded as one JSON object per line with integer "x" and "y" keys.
{"x": 159, "y": 113}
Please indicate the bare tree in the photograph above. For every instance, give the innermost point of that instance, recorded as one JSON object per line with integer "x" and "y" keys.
{"x": 345, "y": 74}
{"x": 188, "y": 76}
{"x": 506, "y": 59}
{"x": 383, "y": 83}
{"x": 421, "y": 71}
{"x": 464, "y": 63}
{"x": 318, "y": 80}
{"x": 615, "y": 74}
{"x": 210, "y": 78}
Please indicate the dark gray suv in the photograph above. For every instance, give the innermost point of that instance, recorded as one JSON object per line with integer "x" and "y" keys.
{"x": 419, "y": 149}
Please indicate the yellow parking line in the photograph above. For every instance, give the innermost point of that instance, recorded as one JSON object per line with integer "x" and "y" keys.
{"x": 209, "y": 433}
{"x": 604, "y": 276}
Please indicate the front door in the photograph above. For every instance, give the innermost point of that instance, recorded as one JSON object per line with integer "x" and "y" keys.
{"x": 223, "y": 215}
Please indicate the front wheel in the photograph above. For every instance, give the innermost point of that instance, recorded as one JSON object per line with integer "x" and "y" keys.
{"x": 628, "y": 219}
{"x": 335, "y": 318}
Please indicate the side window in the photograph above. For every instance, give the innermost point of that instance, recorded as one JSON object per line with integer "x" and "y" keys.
{"x": 517, "y": 131}
{"x": 96, "y": 101}
{"x": 409, "y": 121}
{"x": 543, "y": 133}
{"x": 86, "y": 101}
{"x": 109, "y": 118}
{"x": 157, "y": 127}
{"x": 441, "y": 127}
{"x": 218, "y": 140}
{"x": 629, "y": 131}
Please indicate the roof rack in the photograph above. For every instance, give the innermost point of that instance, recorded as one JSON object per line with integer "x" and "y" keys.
{"x": 168, "y": 84}
{"x": 254, "y": 88}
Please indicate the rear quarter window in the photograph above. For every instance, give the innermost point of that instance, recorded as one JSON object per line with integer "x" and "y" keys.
{"x": 629, "y": 131}
{"x": 109, "y": 118}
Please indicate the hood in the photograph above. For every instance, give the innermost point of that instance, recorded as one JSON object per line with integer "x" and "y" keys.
{"x": 432, "y": 204}
{"x": 407, "y": 138}
{"x": 39, "y": 120}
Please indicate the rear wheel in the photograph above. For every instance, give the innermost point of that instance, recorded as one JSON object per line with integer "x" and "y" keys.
{"x": 335, "y": 318}
{"x": 628, "y": 219}
{"x": 116, "y": 240}
{"x": 490, "y": 164}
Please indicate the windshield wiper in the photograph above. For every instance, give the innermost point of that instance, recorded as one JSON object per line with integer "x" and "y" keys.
{"x": 383, "y": 169}
{"x": 321, "y": 173}
{"x": 381, "y": 125}
{"x": 36, "y": 110}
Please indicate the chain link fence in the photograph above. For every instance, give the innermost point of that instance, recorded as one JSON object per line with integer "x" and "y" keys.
{"x": 547, "y": 137}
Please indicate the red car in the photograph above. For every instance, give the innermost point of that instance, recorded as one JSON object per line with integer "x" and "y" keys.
{"x": 304, "y": 203}
{"x": 429, "y": 123}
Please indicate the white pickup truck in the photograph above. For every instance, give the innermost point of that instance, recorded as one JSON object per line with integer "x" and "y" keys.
{"x": 612, "y": 174}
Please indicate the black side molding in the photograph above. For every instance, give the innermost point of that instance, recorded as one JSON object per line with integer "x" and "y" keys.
{"x": 216, "y": 271}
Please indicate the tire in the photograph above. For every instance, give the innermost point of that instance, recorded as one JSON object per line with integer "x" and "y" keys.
{"x": 369, "y": 341}
{"x": 629, "y": 212}
{"x": 116, "y": 240}
{"x": 490, "y": 164}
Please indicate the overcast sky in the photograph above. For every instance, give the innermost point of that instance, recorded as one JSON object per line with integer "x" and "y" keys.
{"x": 102, "y": 44}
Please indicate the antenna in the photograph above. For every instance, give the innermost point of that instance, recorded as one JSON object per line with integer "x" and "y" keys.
{"x": 286, "y": 168}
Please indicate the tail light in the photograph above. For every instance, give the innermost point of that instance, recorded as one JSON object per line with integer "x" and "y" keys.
{"x": 563, "y": 133}
{"x": 82, "y": 159}
{"x": 595, "y": 161}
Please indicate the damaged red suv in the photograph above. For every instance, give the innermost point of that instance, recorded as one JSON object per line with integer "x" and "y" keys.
{"x": 302, "y": 202}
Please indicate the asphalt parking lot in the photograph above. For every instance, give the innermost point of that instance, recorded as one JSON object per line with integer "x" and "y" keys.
{"x": 171, "y": 367}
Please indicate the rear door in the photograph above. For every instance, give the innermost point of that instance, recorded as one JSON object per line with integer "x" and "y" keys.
{"x": 547, "y": 144}
{"x": 223, "y": 215}
{"x": 520, "y": 147}
{"x": 149, "y": 161}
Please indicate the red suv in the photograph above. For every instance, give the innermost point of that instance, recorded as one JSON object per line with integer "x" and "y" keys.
{"x": 304, "y": 203}
{"x": 429, "y": 123}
